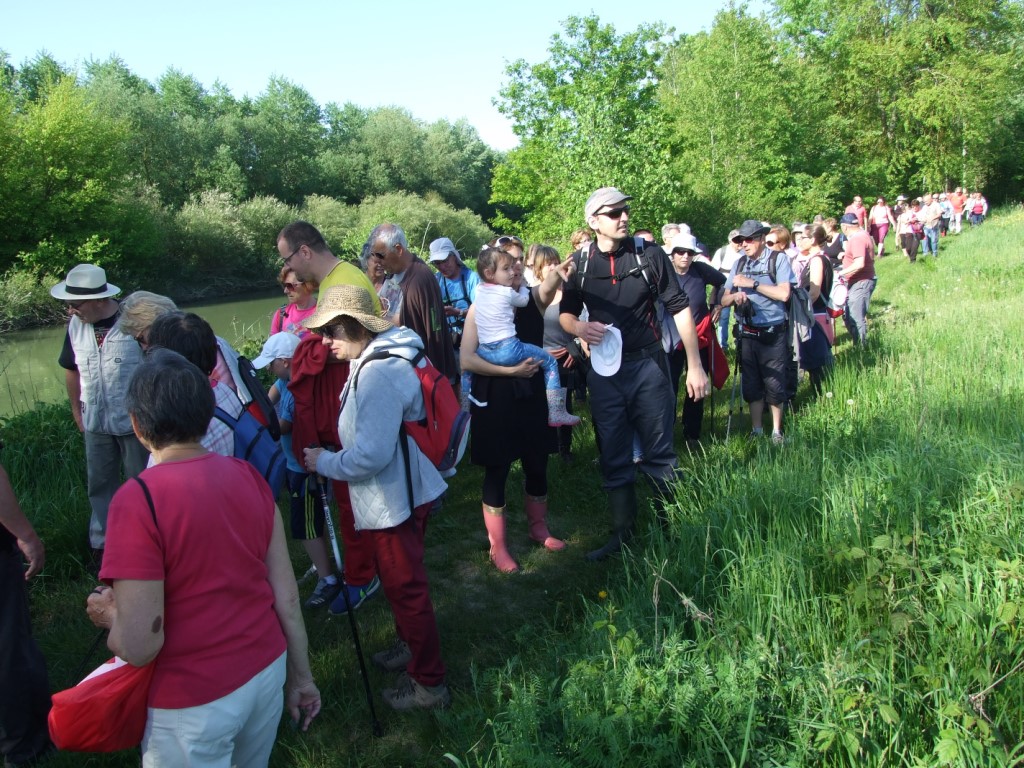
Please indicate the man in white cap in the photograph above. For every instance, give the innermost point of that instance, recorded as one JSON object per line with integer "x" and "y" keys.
{"x": 98, "y": 360}
{"x": 620, "y": 285}
{"x": 458, "y": 284}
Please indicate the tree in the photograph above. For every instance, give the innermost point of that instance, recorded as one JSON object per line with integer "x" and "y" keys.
{"x": 586, "y": 117}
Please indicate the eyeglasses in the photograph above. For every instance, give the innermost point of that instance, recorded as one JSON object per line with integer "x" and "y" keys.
{"x": 286, "y": 261}
{"x": 291, "y": 286}
{"x": 615, "y": 213}
{"x": 76, "y": 305}
{"x": 769, "y": 243}
{"x": 377, "y": 256}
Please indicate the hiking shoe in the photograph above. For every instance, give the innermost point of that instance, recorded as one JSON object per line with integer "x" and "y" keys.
{"x": 394, "y": 658}
{"x": 778, "y": 439}
{"x": 324, "y": 593}
{"x": 411, "y": 695}
{"x": 356, "y": 596}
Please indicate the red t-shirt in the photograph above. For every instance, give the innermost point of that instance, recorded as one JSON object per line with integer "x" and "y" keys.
{"x": 215, "y": 517}
{"x": 859, "y": 244}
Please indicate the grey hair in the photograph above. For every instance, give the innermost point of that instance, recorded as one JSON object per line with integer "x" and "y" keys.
{"x": 364, "y": 256}
{"x": 389, "y": 235}
{"x": 667, "y": 230}
{"x": 140, "y": 309}
{"x": 170, "y": 399}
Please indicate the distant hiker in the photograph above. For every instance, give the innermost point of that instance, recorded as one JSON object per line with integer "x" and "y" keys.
{"x": 98, "y": 359}
{"x": 859, "y": 272}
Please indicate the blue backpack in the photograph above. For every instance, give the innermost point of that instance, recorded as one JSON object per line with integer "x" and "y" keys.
{"x": 255, "y": 444}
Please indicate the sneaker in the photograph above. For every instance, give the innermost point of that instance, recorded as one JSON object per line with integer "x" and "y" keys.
{"x": 324, "y": 593}
{"x": 356, "y": 596}
{"x": 778, "y": 439}
{"x": 411, "y": 695}
{"x": 394, "y": 658}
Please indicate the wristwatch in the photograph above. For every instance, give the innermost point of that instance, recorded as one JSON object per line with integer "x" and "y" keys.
{"x": 756, "y": 285}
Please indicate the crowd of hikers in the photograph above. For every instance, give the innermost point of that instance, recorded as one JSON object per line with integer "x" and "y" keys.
{"x": 195, "y": 575}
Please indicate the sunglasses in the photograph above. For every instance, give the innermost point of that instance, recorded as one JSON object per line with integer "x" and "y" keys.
{"x": 615, "y": 213}
{"x": 506, "y": 239}
{"x": 332, "y": 332}
{"x": 747, "y": 239}
{"x": 291, "y": 286}
{"x": 769, "y": 243}
{"x": 682, "y": 252}
{"x": 75, "y": 304}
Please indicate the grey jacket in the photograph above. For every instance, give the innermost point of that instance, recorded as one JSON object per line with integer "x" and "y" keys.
{"x": 387, "y": 394}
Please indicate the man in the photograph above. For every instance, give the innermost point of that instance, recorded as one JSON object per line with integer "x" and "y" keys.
{"x": 98, "y": 360}
{"x": 857, "y": 208}
{"x": 958, "y": 200}
{"x": 645, "y": 234}
{"x": 668, "y": 231}
{"x": 24, "y": 685}
{"x": 317, "y": 382}
{"x": 421, "y": 307}
{"x": 304, "y": 251}
{"x": 723, "y": 260}
{"x": 859, "y": 272}
{"x": 458, "y": 284}
{"x": 620, "y": 289}
{"x": 931, "y": 217}
{"x": 759, "y": 286}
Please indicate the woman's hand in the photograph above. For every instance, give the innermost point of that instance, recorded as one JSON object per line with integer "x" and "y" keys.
{"x": 303, "y": 703}
{"x": 311, "y": 455}
{"x": 100, "y": 607}
{"x": 566, "y": 269}
{"x": 525, "y": 369}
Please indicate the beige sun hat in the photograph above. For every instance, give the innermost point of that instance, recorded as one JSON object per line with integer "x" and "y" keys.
{"x": 84, "y": 282}
{"x": 349, "y": 301}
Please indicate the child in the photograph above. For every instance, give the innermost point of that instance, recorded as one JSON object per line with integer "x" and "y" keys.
{"x": 498, "y": 344}
{"x": 307, "y": 514}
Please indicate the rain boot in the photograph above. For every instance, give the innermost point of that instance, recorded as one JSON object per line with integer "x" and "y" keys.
{"x": 557, "y": 415}
{"x": 536, "y": 516}
{"x": 622, "y": 505}
{"x": 494, "y": 521}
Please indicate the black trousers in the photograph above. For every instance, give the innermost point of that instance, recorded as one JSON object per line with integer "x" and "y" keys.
{"x": 693, "y": 410}
{"x": 24, "y": 685}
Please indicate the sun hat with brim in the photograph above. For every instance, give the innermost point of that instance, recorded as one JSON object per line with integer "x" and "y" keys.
{"x": 751, "y": 228}
{"x": 279, "y": 346}
{"x": 442, "y": 248}
{"x": 348, "y": 301}
{"x": 684, "y": 242}
{"x": 86, "y": 281}
{"x": 606, "y": 357}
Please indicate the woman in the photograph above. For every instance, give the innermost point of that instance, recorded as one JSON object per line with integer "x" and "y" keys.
{"x": 201, "y": 585}
{"x": 513, "y": 424}
{"x": 373, "y": 265}
{"x": 816, "y": 276}
{"x": 301, "y": 304}
{"x": 880, "y": 218}
{"x": 533, "y": 270}
{"x": 833, "y": 248}
{"x": 391, "y": 499}
{"x": 910, "y": 230}
{"x": 694, "y": 279}
{"x": 562, "y": 346}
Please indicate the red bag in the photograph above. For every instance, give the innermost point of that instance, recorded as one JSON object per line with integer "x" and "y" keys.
{"x": 105, "y": 712}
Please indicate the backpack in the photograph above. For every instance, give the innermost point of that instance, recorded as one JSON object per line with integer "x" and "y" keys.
{"x": 255, "y": 444}
{"x": 443, "y": 432}
{"x": 643, "y": 269}
{"x": 259, "y": 405}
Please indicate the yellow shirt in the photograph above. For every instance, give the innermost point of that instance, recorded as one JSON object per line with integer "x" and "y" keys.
{"x": 348, "y": 274}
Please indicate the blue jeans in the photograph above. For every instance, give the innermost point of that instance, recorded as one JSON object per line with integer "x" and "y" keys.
{"x": 855, "y": 316}
{"x": 931, "y": 241}
{"x": 511, "y": 351}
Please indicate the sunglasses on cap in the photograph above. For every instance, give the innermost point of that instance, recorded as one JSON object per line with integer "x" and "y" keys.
{"x": 615, "y": 213}
{"x": 505, "y": 240}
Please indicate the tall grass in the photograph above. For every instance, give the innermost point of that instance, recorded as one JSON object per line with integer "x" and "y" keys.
{"x": 852, "y": 598}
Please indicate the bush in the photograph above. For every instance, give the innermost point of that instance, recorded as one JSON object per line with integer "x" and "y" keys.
{"x": 25, "y": 302}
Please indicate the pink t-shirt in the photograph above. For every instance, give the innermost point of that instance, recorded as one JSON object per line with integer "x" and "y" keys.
{"x": 859, "y": 211}
{"x": 859, "y": 244}
{"x": 290, "y": 320}
{"x": 215, "y": 517}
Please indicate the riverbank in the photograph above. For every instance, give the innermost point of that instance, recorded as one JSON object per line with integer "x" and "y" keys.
{"x": 854, "y": 598}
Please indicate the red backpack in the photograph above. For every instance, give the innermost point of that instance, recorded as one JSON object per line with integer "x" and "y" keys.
{"x": 443, "y": 433}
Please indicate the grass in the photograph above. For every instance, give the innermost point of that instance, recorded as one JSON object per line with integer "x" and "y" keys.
{"x": 854, "y": 598}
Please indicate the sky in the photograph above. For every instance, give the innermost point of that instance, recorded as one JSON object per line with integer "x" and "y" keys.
{"x": 441, "y": 60}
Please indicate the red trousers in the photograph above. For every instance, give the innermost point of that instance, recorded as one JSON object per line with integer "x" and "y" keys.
{"x": 358, "y": 554}
{"x": 398, "y": 553}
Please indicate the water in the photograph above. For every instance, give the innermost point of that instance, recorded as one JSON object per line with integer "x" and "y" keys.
{"x": 29, "y": 373}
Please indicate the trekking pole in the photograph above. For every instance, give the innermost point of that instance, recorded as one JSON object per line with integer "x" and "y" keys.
{"x": 378, "y": 730}
{"x": 88, "y": 655}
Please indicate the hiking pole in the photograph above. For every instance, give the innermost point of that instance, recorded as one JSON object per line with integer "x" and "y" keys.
{"x": 375, "y": 725}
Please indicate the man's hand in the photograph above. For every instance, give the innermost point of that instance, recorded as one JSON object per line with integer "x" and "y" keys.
{"x": 35, "y": 555}
{"x": 697, "y": 385}
{"x": 311, "y": 455}
{"x": 591, "y": 332}
{"x": 742, "y": 281}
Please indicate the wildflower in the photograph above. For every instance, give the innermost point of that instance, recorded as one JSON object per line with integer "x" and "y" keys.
{"x": 849, "y": 402}
{"x": 603, "y": 595}
{"x": 828, "y": 395}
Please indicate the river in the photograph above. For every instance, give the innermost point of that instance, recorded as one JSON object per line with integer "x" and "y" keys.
{"x": 29, "y": 373}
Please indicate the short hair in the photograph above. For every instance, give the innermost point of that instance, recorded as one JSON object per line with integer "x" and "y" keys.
{"x": 641, "y": 232}
{"x": 546, "y": 254}
{"x": 667, "y": 230}
{"x": 300, "y": 233}
{"x": 282, "y": 277}
{"x": 140, "y": 309}
{"x": 490, "y": 259}
{"x": 391, "y": 235}
{"x": 782, "y": 236}
{"x": 364, "y": 256}
{"x": 187, "y": 334}
{"x": 580, "y": 236}
{"x": 170, "y": 399}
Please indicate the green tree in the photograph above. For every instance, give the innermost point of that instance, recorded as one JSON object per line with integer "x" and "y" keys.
{"x": 586, "y": 117}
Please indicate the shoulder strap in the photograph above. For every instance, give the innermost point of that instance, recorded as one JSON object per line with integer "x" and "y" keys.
{"x": 403, "y": 439}
{"x": 581, "y": 267}
{"x": 773, "y": 266}
{"x": 641, "y": 259}
{"x": 149, "y": 500}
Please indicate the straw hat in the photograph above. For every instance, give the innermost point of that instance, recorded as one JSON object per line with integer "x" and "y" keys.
{"x": 349, "y": 301}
